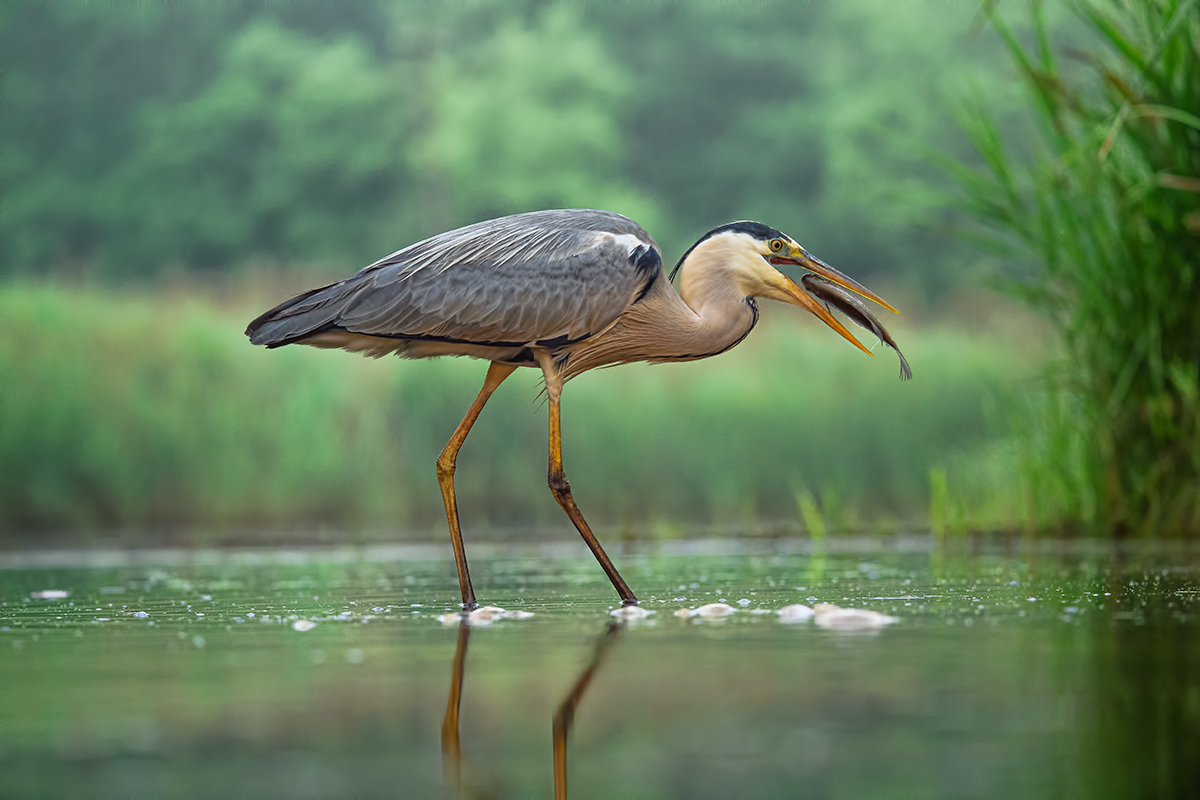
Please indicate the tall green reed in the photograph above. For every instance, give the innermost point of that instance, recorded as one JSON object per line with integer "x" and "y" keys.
{"x": 1099, "y": 226}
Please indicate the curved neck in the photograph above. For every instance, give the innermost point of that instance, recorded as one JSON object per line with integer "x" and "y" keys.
{"x": 711, "y": 315}
{"x": 707, "y": 280}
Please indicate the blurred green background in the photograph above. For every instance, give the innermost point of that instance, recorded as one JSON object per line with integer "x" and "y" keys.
{"x": 170, "y": 170}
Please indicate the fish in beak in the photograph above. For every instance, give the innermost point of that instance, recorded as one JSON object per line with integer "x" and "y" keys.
{"x": 835, "y": 289}
{"x": 856, "y": 311}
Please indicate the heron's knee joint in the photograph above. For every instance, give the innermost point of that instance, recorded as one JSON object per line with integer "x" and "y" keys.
{"x": 558, "y": 483}
{"x": 445, "y": 468}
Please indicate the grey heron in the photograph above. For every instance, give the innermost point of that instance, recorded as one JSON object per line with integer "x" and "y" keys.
{"x": 565, "y": 291}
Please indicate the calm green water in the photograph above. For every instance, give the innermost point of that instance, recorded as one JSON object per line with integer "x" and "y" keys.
{"x": 1036, "y": 673}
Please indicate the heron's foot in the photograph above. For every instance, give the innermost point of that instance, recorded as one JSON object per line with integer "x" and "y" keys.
{"x": 482, "y": 616}
{"x": 630, "y": 613}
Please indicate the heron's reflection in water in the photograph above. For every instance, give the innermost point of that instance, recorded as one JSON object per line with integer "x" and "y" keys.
{"x": 564, "y": 716}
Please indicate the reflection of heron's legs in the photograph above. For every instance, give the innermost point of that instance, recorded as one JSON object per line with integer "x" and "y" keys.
{"x": 451, "y": 751}
{"x": 565, "y": 716}
{"x": 562, "y": 490}
{"x": 445, "y": 471}
{"x": 452, "y": 761}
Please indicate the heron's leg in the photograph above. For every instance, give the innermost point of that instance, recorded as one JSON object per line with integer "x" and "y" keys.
{"x": 562, "y": 490}
{"x": 445, "y": 471}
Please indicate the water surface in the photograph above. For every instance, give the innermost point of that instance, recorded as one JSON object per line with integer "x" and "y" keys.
{"x": 1027, "y": 671}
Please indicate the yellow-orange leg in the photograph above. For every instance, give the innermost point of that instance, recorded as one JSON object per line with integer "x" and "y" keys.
{"x": 445, "y": 471}
{"x": 562, "y": 490}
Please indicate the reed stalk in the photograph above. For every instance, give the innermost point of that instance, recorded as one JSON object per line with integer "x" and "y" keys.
{"x": 1098, "y": 226}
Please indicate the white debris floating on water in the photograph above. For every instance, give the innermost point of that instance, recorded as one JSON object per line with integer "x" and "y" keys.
{"x": 303, "y": 625}
{"x": 796, "y": 612}
{"x": 631, "y": 612}
{"x": 51, "y": 594}
{"x": 850, "y": 619}
{"x": 709, "y": 611}
{"x": 482, "y": 616}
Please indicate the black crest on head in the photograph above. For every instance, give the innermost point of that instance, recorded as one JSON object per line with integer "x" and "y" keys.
{"x": 755, "y": 229}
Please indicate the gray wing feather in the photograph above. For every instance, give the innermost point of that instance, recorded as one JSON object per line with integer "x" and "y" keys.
{"x": 521, "y": 279}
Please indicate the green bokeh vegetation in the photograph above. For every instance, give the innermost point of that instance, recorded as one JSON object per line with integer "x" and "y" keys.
{"x": 254, "y": 150}
{"x": 141, "y": 138}
{"x": 133, "y": 418}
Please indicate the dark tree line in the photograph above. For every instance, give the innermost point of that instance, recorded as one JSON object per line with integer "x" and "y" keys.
{"x": 141, "y": 137}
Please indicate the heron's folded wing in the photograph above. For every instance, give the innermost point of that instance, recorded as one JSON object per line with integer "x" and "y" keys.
{"x": 518, "y": 284}
{"x": 546, "y": 277}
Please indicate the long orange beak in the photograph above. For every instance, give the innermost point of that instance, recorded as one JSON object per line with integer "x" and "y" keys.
{"x": 799, "y": 297}
{"x": 801, "y": 257}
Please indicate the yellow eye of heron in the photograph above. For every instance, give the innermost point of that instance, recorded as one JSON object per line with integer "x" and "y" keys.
{"x": 776, "y": 245}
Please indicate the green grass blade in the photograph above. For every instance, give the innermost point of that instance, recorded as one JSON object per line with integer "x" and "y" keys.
{"x": 1113, "y": 34}
{"x": 1166, "y": 112}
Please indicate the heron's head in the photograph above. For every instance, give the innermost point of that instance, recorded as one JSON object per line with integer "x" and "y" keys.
{"x": 749, "y": 253}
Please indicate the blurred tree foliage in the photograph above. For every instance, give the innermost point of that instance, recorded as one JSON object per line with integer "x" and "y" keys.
{"x": 138, "y": 137}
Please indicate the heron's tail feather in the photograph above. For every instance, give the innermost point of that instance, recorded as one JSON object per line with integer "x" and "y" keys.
{"x": 304, "y": 315}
